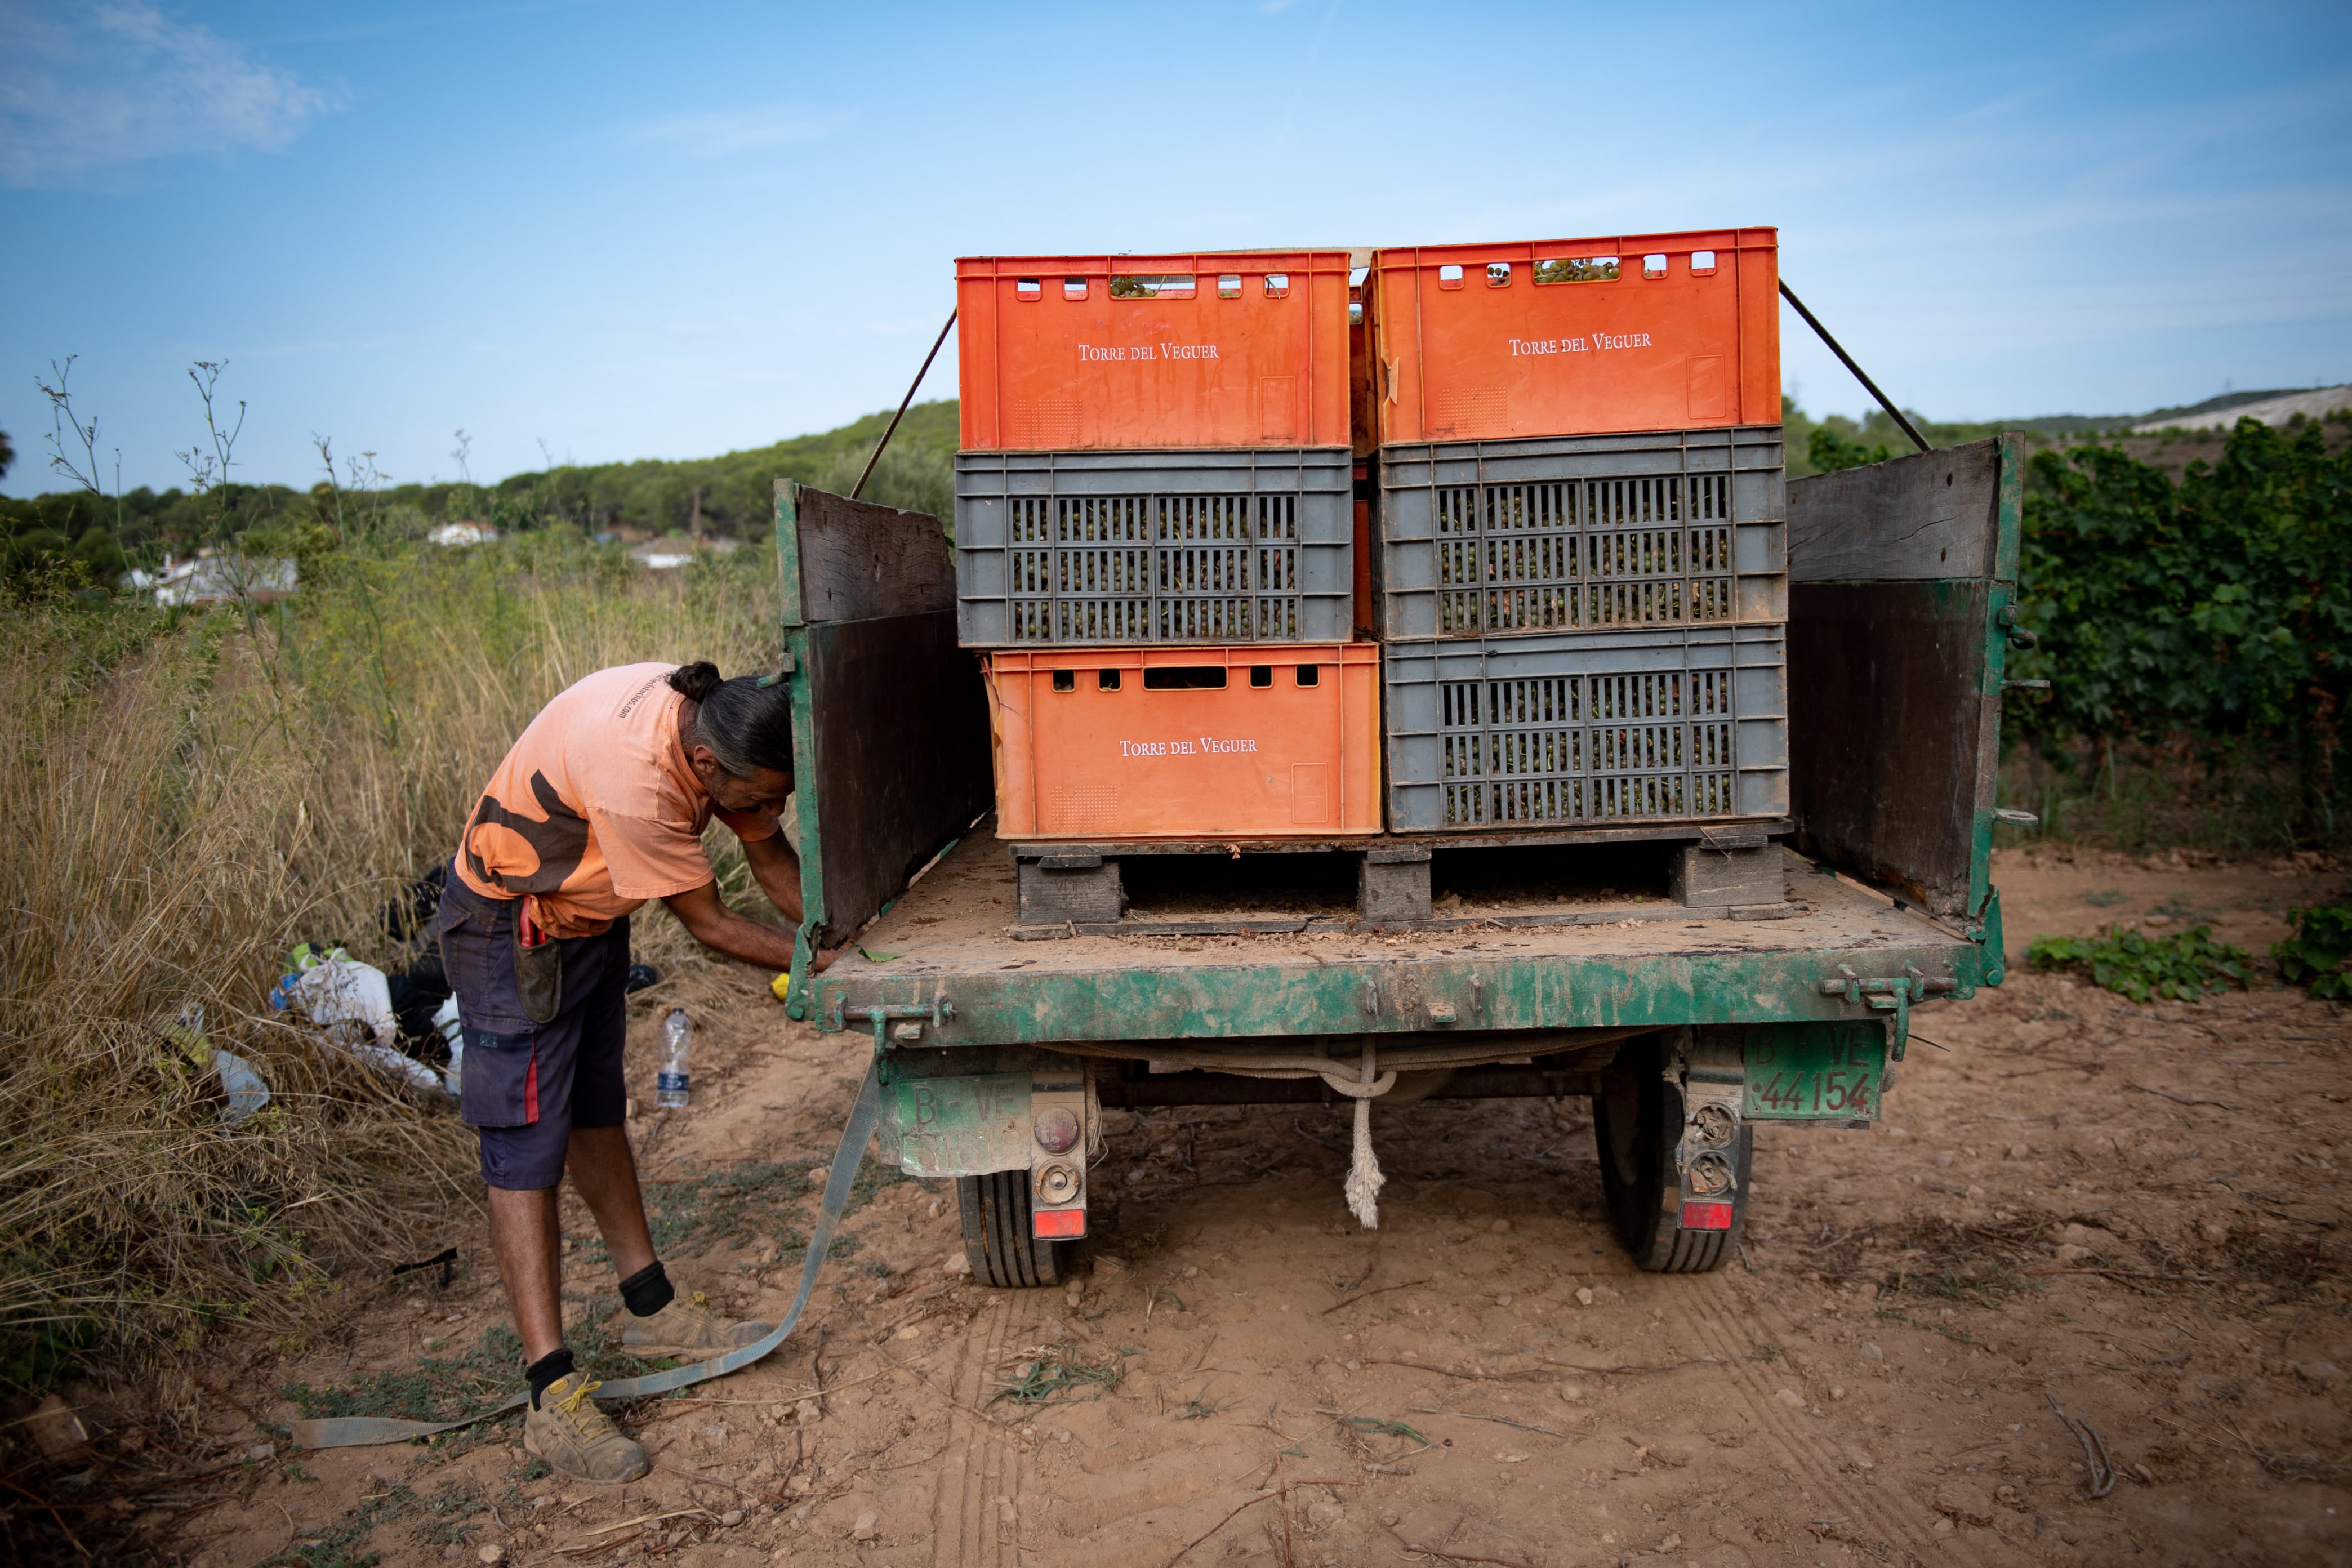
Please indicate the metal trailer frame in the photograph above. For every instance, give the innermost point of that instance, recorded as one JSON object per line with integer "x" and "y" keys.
{"x": 1901, "y": 597}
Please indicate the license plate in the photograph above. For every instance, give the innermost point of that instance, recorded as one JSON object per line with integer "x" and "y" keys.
{"x": 957, "y": 1126}
{"x": 1815, "y": 1072}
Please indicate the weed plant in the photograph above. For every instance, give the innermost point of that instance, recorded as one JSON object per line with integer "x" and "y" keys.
{"x": 185, "y": 795}
{"x": 1057, "y": 1374}
{"x": 2318, "y": 955}
{"x": 344, "y": 1546}
{"x": 2181, "y": 967}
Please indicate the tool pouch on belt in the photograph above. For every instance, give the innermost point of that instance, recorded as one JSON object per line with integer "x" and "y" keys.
{"x": 537, "y": 967}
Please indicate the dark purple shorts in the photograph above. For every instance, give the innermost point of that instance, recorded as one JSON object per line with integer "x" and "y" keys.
{"x": 528, "y": 1085}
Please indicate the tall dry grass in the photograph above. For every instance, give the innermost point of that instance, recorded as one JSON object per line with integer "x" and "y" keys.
{"x": 183, "y": 797}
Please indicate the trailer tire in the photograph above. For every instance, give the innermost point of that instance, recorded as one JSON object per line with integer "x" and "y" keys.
{"x": 1637, "y": 1121}
{"x": 996, "y": 1238}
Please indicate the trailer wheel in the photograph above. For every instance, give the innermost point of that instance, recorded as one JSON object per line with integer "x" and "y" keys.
{"x": 1637, "y": 1121}
{"x": 996, "y": 1238}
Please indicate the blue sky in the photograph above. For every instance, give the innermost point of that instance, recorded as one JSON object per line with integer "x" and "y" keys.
{"x": 629, "y": 231}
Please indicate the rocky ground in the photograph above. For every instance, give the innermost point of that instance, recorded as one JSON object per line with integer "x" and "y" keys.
{"x": 2086, "y": 1232}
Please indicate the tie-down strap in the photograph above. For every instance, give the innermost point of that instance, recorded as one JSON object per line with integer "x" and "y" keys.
{"x": 356, "y": 1431}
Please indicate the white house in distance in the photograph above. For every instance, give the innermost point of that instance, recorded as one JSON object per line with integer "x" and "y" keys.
{"x": 668, "y": 554}
{"x": 210, "y": 579}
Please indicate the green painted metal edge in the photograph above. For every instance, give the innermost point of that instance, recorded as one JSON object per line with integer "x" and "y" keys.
{"x": 2009, "y": 506}
{"x": 796, "y": 658}
{"x": 1393, "y": 995}
{"x": 1992, "y": 957}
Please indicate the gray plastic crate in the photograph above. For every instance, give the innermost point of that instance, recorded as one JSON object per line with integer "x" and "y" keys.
{"x": 1200, "y": 546}
{"x": 1584, "y": 532}
{"x": 1552, "y": 729}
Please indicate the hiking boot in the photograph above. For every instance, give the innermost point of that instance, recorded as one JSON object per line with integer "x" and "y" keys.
{"x": 573, "y": 1436}
{"x": 687, "y": 1327}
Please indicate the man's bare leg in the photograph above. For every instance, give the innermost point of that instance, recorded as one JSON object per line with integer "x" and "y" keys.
{"x": 526, "y": 1233}
{"x": 566, "y": 1430}
{"x": 525, "y": 1236}
{"x": 604, "y": 1172}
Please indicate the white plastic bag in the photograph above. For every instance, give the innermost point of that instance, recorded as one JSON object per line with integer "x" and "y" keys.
{"x": 343, "y": 991}
{"x": 352, "y": 1002}
{"x": 242, "y": 1086}
{"x": 453, "y": 1077}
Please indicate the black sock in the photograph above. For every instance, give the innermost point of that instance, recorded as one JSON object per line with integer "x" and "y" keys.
{"x": 548, "y": 1370}
{"x": 647, "y": 1291}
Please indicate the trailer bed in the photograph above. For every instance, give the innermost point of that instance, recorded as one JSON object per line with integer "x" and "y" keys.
{"x": 942, "y": 960}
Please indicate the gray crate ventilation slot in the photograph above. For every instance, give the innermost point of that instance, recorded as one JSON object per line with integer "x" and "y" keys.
{"x": 1090, "y": 549}
{"x": 1584, "y": 554}
{"x": 1580, "y": 748}
{"x": 1099, "y": 569}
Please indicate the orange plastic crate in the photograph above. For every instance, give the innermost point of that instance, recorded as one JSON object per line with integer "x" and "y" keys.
{"x": 1116, "y": 743}
{"x": 1574, "y": 336}
{"x": 1075, "y": 353}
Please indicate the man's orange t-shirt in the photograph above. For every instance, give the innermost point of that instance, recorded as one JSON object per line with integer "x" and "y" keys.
{"x": 595, "y": 809}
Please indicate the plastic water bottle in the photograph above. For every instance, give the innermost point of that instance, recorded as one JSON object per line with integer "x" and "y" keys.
{"x": 678, "y": 1035}
{"x": 453, "y": 1077}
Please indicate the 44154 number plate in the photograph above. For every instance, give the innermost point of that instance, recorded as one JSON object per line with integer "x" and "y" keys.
{"x": 1815, "y": 1072}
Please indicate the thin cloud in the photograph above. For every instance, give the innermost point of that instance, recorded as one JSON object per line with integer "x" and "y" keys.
{"x": 83, "y": 89}
{"x": 720, "y": 133}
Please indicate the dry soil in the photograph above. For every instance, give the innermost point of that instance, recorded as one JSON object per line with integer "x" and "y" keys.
{"x": 2082, "y": 1223}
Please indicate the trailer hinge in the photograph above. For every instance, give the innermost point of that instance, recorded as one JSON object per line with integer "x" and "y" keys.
{"x": 1985, "y": 930}
{"x": 804, "y": 970}
{"x": 1893, "y": 996}
{"x": 939, "y": 1012}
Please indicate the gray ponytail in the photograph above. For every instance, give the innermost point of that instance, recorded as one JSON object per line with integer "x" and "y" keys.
{"x": 747, "y": 725}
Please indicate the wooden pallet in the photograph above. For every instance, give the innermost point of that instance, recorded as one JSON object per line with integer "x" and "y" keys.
{"x": 1726, "y": 872}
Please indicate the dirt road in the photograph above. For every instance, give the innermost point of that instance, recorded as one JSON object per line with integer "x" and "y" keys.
{"x": 2133, "y": 1215}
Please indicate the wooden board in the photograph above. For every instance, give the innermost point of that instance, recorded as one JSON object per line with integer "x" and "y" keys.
{"x": 901, "y": 754}
{"x": 1888, "y": 770}
{"x": 859, "y": 562}
{"x": 1895, "y": 661}
{"x": 1917, "y": 519}
{"x": 890, "y": 718}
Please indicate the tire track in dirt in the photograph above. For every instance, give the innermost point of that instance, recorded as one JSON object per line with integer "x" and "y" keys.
{"x": 1735, "y": 1326}
{"x": 983, "y": 1474}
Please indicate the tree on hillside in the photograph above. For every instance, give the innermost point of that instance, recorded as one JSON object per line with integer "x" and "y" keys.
{"x": 1828, "y": 450}
{"x": 8, "y": 455}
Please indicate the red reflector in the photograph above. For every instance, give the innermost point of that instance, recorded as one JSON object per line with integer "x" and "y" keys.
{"x": 1698, "y": 1216}
{"x": 1073, "y": 1222}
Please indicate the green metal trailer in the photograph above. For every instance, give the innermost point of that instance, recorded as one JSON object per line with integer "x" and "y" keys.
{"x": 997, "y": 1052}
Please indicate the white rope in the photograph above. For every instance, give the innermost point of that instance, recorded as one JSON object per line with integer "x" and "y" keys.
{"x": 1364, "y": 1179}
{"x": 1094, "y": 1118}
{"x": 1360, "y": 1089}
